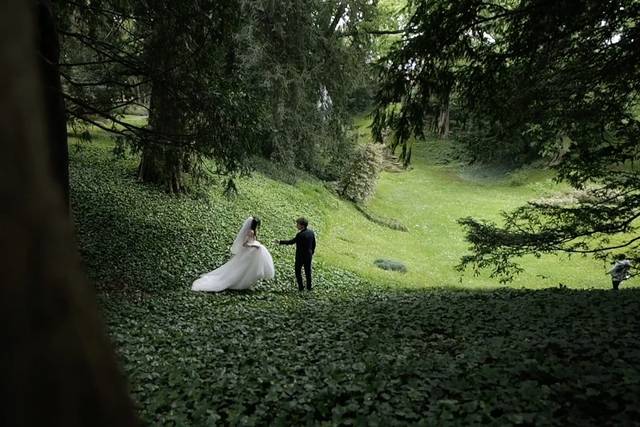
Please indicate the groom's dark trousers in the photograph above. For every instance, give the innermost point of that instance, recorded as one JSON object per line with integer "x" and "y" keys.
{"x": 306, "y": 263}
{"x": 305, "y": 242}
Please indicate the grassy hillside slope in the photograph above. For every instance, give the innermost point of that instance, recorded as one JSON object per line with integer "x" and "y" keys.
{"x": 354, "y": 351}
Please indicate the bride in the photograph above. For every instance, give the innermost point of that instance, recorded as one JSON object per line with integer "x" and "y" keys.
{"x": 250, "y": 262}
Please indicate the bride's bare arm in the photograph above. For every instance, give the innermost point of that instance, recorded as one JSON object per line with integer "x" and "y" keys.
{"x": 250, "y": 240}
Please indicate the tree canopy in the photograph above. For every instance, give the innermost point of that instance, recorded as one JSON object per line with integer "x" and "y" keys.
{"x": 226, "y": 80}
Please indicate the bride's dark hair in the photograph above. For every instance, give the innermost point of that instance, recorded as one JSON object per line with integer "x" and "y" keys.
{"x": 255, "y": 223}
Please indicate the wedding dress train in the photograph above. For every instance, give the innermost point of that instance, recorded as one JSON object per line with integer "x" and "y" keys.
{"x": 250, "y": 262}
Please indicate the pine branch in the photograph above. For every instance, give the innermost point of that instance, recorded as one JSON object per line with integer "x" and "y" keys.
{"x": 374, "y": 32}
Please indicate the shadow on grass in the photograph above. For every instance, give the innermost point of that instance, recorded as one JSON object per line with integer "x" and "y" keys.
{"x": 451, "y": 357}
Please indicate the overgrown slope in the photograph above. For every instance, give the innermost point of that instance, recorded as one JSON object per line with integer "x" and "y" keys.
{"x": 353, "y": 351}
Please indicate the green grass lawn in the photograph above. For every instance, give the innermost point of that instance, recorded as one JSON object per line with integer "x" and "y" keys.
{"x": 366, "y": 347}
{"x": 429, "y": 199}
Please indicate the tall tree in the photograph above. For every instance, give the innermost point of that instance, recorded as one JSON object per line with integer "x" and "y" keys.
{"x": 164, "y": 158}
{"x": 554, "y": 78}
{"x": 307, "y": 59}
{"x": 226, "y": 79}
{"x": 58, "y": 366}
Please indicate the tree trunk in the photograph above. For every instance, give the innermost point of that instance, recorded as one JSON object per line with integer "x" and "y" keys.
{"x": 59, "y": 368}
{"x": 56, "y": 117}
{"x": 443, "y": 117}
{"x": 162, "y": 165}
{"x": 163, "y": 158}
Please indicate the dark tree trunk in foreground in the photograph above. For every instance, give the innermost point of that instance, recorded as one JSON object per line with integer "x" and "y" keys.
{"x": 56, "y": 118}
{"x": 58, "y": 367}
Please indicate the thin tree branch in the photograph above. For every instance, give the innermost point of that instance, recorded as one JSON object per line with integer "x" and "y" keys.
{"x": 342, "y": 7}
{"x": 118, "y": 55}
{"x": 134, "y": 129}
{"x": 72, "y": 82}
{"x": 108, "y": 12}
{"x": 83, "y": 64}
{"x": 603, "y": 249}
{"x": 373, "y": 32}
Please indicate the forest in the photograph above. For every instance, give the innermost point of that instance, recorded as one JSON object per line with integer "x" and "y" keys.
{"x": 459, "y": 180}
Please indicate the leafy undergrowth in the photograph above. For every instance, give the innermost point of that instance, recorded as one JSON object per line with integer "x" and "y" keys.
{"x": 350, "y": 352}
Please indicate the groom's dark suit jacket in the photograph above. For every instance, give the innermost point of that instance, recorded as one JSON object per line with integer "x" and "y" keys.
{"x": 305, "y": 242}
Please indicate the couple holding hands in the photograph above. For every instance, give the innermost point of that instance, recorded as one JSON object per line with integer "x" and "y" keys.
{"x": 251, "y": 261}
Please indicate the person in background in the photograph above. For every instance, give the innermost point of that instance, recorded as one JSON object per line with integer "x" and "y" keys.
{"x": 620, "y": 270}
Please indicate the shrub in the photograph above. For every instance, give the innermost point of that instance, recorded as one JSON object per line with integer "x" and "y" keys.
{"x": 386, "y": 264}
{"x": 359, "y": 181}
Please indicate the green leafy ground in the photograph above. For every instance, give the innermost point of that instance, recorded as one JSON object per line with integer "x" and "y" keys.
{"x": 355, "y": 351}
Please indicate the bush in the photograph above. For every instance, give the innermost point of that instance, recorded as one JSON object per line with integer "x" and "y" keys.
{"x": 386, "y": 264}
{"x": 359, "y": 181}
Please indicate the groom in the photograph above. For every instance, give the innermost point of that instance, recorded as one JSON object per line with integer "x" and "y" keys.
{"x": 305, "y": 242}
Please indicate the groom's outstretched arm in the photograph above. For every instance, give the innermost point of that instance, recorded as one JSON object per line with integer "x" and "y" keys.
{"x": 287, "y": 242}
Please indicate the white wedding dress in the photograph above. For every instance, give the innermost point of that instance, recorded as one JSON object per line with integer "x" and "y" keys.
{"x": 250, "y": 262}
